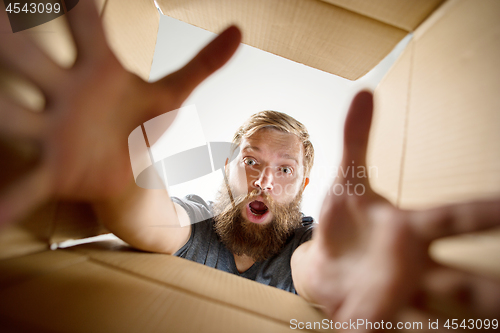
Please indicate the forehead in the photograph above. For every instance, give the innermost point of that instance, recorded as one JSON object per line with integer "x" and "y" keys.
{"x": 274, "y": 142}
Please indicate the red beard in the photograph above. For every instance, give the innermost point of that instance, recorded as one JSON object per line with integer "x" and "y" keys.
{"x": 257, "y": 241}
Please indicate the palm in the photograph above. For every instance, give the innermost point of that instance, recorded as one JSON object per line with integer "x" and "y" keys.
{"x": 91, "y": 110}
{"x": 369, "y": 247}
{"x": 85, "y": 141}
{"x": 369, "y": 258}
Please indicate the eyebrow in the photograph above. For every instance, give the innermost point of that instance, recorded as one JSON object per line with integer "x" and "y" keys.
{"x": 250, "y": 148}
{"x": 284, "y": 156}
{"x": 289, "y": 157}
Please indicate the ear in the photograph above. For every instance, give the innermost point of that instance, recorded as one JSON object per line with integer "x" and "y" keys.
{"x": 306, "y": 182}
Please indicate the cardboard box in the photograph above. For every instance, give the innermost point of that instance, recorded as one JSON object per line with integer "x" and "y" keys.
{"x": 435, "y": 140}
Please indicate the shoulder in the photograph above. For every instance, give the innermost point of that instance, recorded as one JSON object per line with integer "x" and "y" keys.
{"x": 197, "y": 209}
{"x": 197, "y": 247}
{"x": 191, "y": 200}
{"x": 304, "y": 232}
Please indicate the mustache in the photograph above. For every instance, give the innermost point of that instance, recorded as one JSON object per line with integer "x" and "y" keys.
{"x": 238, "y": 200}
{"x": 257, "y": 241}
{"x": 251, "y": 196}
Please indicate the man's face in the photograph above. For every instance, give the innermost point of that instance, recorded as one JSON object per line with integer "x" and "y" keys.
{"x": 266, "y": 180}
{"x": 271, "y": 163}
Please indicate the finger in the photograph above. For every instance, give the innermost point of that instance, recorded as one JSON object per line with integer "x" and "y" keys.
{"x": 181, "y": 83}
{"x": 15, "y": 120}
{"x": 22, "y": 56}
{"x": 454, "y": 293}
{"x": 21, "y": 197}
{"x": 455, "y": 219}
{"x": 86, "y": 27}
{"x": 356, "y": 132}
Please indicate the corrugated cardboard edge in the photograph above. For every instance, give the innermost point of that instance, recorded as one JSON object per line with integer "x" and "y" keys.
{"x": 107, "y": 287}
{"x": 131, "y": 28}
{"x": 215, "y": 285}
{"x": 389, "y": 126}
{"x": 406, "y": 15}
{"x": 284, "y": 29}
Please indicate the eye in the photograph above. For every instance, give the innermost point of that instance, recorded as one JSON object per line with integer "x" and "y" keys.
{"x": 286, "y": 170}
{"x": 249, "y": 161}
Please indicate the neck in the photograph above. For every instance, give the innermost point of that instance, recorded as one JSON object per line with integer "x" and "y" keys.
{"x": 243, "y": 262}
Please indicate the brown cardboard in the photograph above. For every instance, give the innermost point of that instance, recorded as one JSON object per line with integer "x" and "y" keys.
{"x": 449, "y": 71}
{"x": 30, "y": 235}
{"x": 130, "y": 291}
{"x": 387, "y": 136}
{"x": 203, "y": 281}
{"x": 340, "y": 41}
{"x": 406, "y": 15}
{"x": 98, "y": 303}
{"x": 453, "y": 137}
{"x": 23, "y": 268}
{"x": 131, "y": 27}
{"x": 447, "y": 150}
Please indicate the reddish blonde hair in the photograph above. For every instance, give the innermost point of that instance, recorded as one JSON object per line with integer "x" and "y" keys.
{"x": 281, "y": 122}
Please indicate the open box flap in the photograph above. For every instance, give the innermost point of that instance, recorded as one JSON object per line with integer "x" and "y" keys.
{"x": 406, "y": 15}
{"x": 314, "y": 33}
{"x": 438, "y": 105}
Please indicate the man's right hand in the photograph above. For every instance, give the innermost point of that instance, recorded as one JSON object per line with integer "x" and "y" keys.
{"x": 90, "y": 110}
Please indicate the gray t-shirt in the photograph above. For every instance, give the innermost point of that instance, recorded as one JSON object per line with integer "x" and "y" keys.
{"x": 204, "y": 247}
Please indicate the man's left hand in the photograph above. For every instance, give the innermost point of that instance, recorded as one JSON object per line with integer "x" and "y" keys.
{"x": 368, "y": 259}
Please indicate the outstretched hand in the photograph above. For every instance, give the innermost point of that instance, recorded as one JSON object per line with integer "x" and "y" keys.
{"x": 90, "y": 110}
{"x": 369, "y": 259}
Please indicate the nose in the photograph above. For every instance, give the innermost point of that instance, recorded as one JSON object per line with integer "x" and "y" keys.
{"x": 265, "y": 180}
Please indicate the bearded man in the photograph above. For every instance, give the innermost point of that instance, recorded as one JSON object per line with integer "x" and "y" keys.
{"x": 257, "y": 223}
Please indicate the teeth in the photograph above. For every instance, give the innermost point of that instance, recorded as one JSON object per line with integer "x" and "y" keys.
{"x": 257, "y": 213}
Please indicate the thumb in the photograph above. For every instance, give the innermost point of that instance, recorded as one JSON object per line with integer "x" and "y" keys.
{"x": 356, "y": 133}
{"x": 181, "y": 83}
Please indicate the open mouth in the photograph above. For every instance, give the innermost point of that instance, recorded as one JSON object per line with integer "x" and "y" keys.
{"x": 258, "y": 208}
{"x": 257, "y": 211}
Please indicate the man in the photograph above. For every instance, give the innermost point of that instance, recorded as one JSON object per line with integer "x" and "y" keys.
{"x": 367, "y": 259}
{"x": 257, "y": 223}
